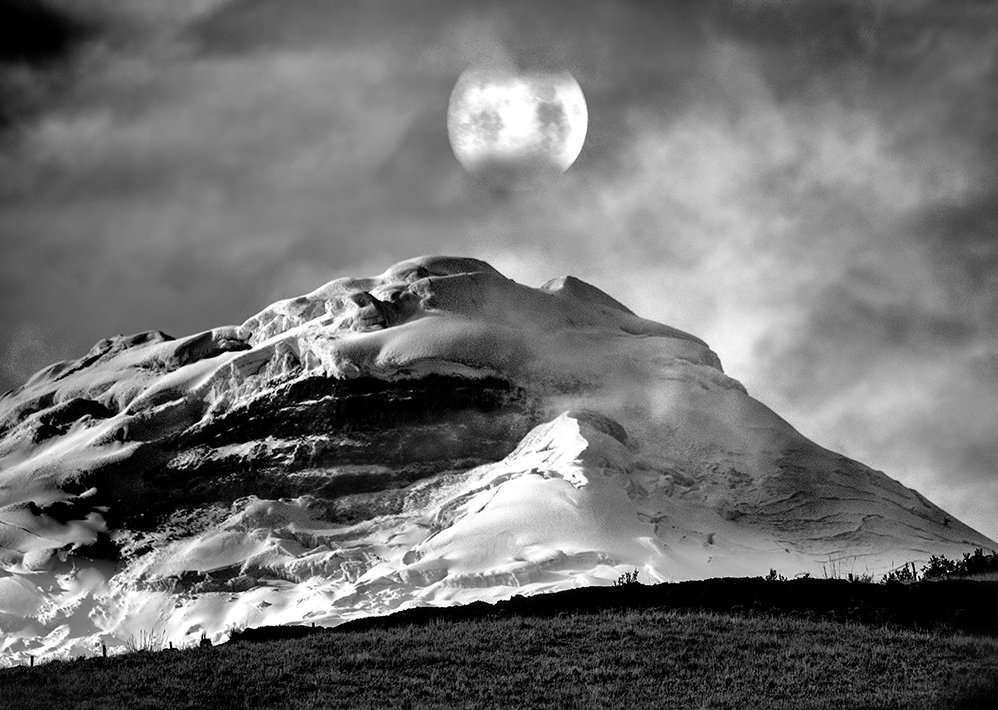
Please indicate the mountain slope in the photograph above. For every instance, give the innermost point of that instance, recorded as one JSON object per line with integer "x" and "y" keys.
{"x": 435, "y": 434}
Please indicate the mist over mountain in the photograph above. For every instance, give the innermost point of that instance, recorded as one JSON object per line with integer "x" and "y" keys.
{"x": 433, "y": 435}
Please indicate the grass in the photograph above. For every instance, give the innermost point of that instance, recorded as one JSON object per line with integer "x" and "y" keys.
{"x": 146, "y": 641}
{"x": 649, "y": 658}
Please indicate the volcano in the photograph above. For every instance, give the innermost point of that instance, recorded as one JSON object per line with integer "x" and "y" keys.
{"x": 434, "y": 435}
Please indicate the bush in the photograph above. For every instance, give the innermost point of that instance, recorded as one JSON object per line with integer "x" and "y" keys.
{"x": 939, "y": 567}
{"x": 905, "y": 574}
{"x": 627, "y": 579}
{"x": 972, "y": 563}
{"x": 154, "y": 640}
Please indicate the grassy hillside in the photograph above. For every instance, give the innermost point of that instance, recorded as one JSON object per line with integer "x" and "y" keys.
{"x": 627, "y": 654}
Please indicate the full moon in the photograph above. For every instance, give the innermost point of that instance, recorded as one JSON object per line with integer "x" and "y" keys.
{"x": 514, "y": 130}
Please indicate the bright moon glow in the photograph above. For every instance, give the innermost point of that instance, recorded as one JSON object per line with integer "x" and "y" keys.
{"x": 512, "y": 130}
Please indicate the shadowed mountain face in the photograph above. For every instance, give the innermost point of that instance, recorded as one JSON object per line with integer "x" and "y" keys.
{"x": 434, "y": 434}
{"x": 331, "y": 439}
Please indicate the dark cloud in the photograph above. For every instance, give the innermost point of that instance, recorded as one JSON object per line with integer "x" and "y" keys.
{"x": 811, "y": 187}
{"x": 33, "y": 32}
{"x": 35, "y": 39}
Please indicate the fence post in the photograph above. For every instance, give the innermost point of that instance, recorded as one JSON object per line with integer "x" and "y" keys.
{"x": 32, "y": 661}
{"x": 103, "y": 650}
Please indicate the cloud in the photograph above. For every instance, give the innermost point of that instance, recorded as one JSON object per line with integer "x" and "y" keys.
{"x": 34, "y": 33}
{"x": 810, "y": 187}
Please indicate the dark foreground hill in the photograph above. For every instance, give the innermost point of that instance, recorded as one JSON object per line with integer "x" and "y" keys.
{"x": 601, "y": 648}
{"x": 956, "y": 605}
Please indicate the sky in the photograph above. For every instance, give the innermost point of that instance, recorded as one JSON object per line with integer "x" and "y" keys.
{"x": 810, "y": 187}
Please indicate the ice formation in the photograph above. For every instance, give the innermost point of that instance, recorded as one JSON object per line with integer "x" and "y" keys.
{"x": 437, "y": 434}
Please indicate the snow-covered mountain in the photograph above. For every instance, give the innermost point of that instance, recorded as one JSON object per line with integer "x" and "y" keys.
{"x": 433, "y": 435}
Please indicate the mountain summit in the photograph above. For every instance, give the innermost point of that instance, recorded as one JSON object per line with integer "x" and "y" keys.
{"x": 433, "y": 435}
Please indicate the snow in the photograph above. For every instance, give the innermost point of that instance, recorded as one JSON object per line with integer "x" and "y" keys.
{"x": 647, "y": 457}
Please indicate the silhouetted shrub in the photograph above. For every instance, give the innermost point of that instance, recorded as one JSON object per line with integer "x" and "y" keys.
{"x": 146, "y": 641}
{"x": 627, "y": 579}
{"x": 905, "y": 573}
{"x": 939, "y": 567}
{"x": 977, "y": 562}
